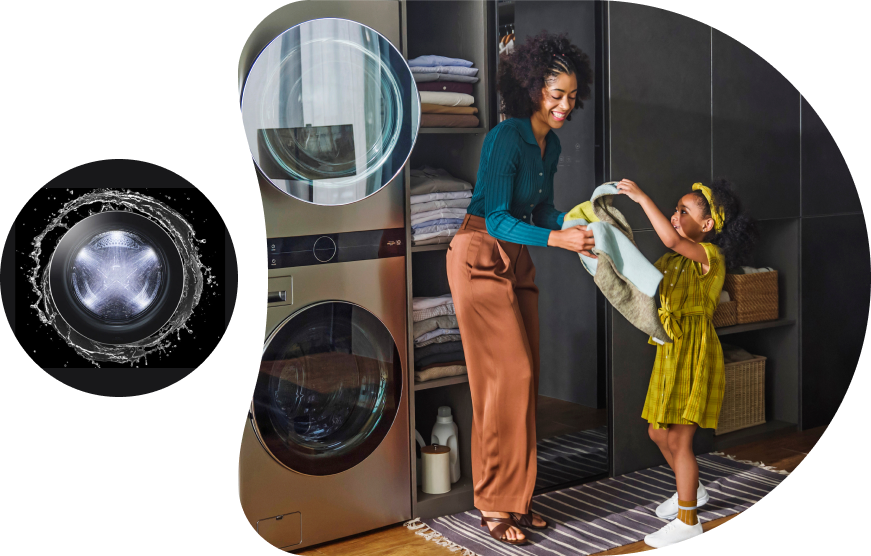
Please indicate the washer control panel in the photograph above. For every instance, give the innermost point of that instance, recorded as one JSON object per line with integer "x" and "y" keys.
{"x": 285, "y": 252}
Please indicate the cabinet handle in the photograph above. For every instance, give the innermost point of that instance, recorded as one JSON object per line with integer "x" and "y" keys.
{"x": 276, "y": 297}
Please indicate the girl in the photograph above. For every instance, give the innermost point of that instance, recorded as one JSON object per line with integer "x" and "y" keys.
{"x": 708, "y": 232}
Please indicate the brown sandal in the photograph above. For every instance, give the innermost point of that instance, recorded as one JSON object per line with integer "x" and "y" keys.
{"x": 498, "y": 532}
{"x": 525, "y": 520}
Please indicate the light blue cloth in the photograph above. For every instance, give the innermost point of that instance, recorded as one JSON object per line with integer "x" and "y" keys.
{"x": 628, "y": 260}
{"x": 436, "y": 228}
{"x": 433, "y": 60}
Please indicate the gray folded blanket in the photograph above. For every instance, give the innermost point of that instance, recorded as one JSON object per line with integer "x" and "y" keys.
{"x": 435, "y": 349}
{"x": 441, "y": 358}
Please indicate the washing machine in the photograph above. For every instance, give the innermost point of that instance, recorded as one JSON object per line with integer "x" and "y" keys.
{"x": 331, "y": 114}
{"x": 116, "y": 277}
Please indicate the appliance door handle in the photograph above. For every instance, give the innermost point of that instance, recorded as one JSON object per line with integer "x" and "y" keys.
{"x": 276, "y": 297}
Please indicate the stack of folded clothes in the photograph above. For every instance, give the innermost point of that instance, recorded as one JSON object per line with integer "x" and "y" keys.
{"x": 438, "y": 348}
{"x": 438, "y": 205}
{"x": 445, "y": 86}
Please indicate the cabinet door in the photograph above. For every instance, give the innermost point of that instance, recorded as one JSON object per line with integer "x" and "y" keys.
{"x": 755, "y": 129}
{"x": 826, "y": 184}
{"x": 660, "y": 77}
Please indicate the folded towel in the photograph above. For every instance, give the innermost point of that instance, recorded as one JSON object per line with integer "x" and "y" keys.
{"x": 436, "y": 228}
{"x": 435, "y": 180}
{"x": 433, "y": 349}
{"x": 436, "y": 214}
{"x": 440, "y": 372}
{"x": 446, "y": 99}
{"x": 441, "y": 221}
{"x": 440, "y": 204}
{"x": 431, "y": 337}
{"x": 434, "y": 323}
{"x": 446, "y": 86}
{"x": 433, "y": 241}
{"x": 451, "y": 232}
{"x": 627, "y": 279}
{"x": 734, "y": 354}
{"x": 443, "y": 358}
{"x": 431, "y": 365}
{"x": 430, "y": 77}
{"x": 452, "y": 70}
{"x": 434, "y": 60}
{"x": 439, "y": 109}
{"x": 724, "y": 297}
{"x": 449, "y": 120}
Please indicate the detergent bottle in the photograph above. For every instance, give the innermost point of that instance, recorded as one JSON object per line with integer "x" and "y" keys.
{"x": 445, "y": 433}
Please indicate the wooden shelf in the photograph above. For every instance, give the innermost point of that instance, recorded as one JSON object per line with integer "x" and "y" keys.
{"x": 754, "y": 326}
{"x": 475, "y": 130}
{"x": 446, "y": 381}
{"x": 436, "y": 247}
{"x": 765, "y": 431}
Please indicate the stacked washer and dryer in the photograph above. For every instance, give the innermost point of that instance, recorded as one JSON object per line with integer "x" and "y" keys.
{"x": 331, "y": 114}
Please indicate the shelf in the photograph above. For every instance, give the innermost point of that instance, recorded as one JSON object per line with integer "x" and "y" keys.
{"x": 447, "y": 381}
{"x": 754, "y": 326}
{"x": 436, "y": 247}
{"x": 460, "y": 498}
{"x": 475, "y": 130}
{"x": 765, "y": 431}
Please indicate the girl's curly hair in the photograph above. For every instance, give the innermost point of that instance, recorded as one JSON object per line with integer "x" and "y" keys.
{"x": 524, "y": 73}
{"x": 740, "y": 234}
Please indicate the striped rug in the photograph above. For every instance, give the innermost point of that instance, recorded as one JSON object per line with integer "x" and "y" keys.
{"x": 609, "y": 513}
{"x": 571, "y": 457}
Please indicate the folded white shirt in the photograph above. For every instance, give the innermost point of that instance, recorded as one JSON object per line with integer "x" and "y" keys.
{"x": 418, "y": 303}
{"x": 427, "y": 197}
{"x": 436, "y": 214}
{"x": 435, "y": 205}
{"x": 446, "y": 98}
{"x": 437, "y": 228}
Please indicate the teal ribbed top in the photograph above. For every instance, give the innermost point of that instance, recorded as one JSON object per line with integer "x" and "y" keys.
{"x": 514, "y": 190}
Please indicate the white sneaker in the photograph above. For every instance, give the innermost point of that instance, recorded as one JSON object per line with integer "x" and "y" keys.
{"x": 668, "y": 509}
{"x": 672, "y": 533}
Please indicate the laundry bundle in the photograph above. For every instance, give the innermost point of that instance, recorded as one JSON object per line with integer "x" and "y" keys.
{"x": 438, "y": 205}
{"x": 438, "y": 348}
{"x": 626, "y": 278}
{"x": 445, "y": 86}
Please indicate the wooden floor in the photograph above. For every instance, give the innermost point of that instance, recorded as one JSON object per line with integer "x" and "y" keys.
{"x": 785, "y": 451}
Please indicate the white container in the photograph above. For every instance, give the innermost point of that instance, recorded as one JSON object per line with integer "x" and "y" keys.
{"x": 445, "y": 433}
{"x": 436, "y": 469}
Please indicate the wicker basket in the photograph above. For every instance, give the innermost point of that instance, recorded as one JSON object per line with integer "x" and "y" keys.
{"x": 744, "y": 396}
{"x": 756, "y": 295}
{"x": 726, "y": 314}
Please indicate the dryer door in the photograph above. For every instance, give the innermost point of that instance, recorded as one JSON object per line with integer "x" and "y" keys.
{"x": 329, "y": 388}
{"x": 331, "y": 111}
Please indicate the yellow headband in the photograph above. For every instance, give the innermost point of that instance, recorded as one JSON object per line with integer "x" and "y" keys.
{"x": 716, "y": 212}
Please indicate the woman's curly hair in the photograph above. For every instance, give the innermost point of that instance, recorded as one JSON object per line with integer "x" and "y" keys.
{"x": 524, "y": 73}
{"x": 740, "y": 234}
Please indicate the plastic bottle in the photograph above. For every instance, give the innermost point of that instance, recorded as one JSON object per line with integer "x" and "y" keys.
{"x": 445, "y": 433}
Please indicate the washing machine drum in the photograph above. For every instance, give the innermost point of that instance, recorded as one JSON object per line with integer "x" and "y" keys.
{"x": 116, "y": 277}
{"x": 331, "y": 111}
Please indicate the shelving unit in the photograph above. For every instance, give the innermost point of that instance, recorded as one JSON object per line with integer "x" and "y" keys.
{"x": 754, "y": 326}
{"x": 456, "y": 150}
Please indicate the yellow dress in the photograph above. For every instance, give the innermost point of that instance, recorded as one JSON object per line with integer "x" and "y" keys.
{"x": 688, "y": 378}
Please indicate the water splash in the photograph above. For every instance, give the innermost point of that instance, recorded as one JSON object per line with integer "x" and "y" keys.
{"x": 196, "y": 275}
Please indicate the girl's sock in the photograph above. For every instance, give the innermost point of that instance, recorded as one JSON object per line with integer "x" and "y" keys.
{"x": 688, "y": 516}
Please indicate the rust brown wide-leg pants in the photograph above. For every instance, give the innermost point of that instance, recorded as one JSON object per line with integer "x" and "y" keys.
{"x": 496, "y": 304}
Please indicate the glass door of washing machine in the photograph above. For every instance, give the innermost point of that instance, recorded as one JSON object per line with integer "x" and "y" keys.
{"x": 329, "y": 388}
{"x": 331, "y": 111}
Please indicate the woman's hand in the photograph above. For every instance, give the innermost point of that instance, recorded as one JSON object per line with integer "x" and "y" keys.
{"x": 631, "y": 190}
{"x": 578, "y": 239}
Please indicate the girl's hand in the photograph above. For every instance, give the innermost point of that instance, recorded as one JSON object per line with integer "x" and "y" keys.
{"x": 631, "y": 190}
{"x": 578, "y": 239}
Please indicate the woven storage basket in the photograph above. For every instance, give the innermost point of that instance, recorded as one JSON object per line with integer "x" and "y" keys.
{"x": 744, "y": 396}
{"x": 756, "y": 295}
{"x": 726, "y": 314}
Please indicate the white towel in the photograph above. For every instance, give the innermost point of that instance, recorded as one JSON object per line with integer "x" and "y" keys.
{"x": 446, "y": 98}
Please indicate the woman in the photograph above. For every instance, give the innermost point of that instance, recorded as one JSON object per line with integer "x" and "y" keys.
{"x": 491, "y": 274}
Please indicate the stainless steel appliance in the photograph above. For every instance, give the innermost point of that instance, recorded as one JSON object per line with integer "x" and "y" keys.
{"x": 331, "y": 114}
